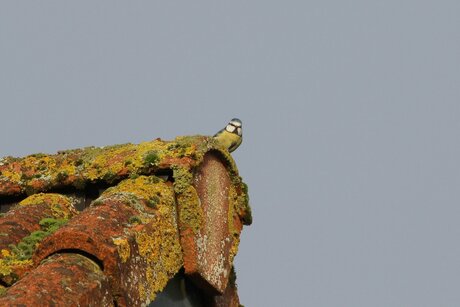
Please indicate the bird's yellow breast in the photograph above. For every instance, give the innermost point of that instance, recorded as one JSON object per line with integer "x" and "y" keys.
{"x": 229, "y": 140}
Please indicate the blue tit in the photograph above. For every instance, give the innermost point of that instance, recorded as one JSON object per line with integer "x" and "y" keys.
{"x": 231, "y": 136}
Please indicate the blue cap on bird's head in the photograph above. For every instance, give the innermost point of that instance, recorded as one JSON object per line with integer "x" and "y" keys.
{"x": 236, "y": 122}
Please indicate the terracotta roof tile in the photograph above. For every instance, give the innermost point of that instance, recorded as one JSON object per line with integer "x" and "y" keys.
{"x": 134, "y": 236}
{"x": 61, "y": 280}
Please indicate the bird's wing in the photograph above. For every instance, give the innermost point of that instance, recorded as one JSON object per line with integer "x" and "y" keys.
{"x": 236, "y": 145}
{"x": 220, "y": 131}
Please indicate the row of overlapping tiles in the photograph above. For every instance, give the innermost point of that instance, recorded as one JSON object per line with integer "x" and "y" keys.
{"x": 125, "y": 246}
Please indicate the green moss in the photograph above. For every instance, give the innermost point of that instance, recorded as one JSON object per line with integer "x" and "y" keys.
{"x": 26, "y": 247}
{"x": 29, "y": 190}
{"x": 50, "y": 225}
{"x": 18, "y": 256}
{"x": 133, "y": 176}
{"x": 34, "y": 237}
{"x": 25, "y": 177}
{"x": 155, "y": 179}
{"x": 153, "y": 201}
{"x": 242, "y": 206}
{"x": 22, "y": 251}
{"x": 79, "y": 162}
{"x": 61, "y": 176}
{"x": 109, "y": 177}
{"x": 2, "y": 290}
{"x": 151, "y": 158}
{"x": 245, "y": 199}
{"x": 97, "y": 202}
{"x": 135, "y": 220}
{"x": 183, "y": 144}
{"x": 38, "y": 155}
{"x": 244, "y": 187}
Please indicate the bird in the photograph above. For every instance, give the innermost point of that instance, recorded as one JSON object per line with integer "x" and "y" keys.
{"x": 231, "y": 136}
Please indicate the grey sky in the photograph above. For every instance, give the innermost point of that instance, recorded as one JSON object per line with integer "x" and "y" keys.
{"x": 351, "y": 125}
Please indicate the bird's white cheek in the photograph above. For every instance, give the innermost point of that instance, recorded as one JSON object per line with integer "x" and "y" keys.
{"x": 240, "y": 132}
{"x": 230, "y": 128}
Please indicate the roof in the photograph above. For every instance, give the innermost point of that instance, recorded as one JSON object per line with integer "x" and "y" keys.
{"x": 113, "y": 225}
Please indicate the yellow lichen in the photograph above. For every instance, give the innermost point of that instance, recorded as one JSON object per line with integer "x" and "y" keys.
{"x": 78, "y": 167}
{"x": 191, "y": 213}
{"x": 158, "y": 243}
{"x": 5, "y": 268}
{"x": 156, "y": 234}
{"x": 142, "y": 293}
{"x": 124, "y": 250}
{"x": 5, "y": 253}
{"x": 182, "y": 178}
{"x": 149, "y": 189}
{"x": 128, "y": 158}
{"x": 8, "y": 265}
{"x": 11, "y": 175}
{"x": 60, "y": 205}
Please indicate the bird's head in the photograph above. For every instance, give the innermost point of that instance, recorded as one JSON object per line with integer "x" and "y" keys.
{"x": 235, "y": 126}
